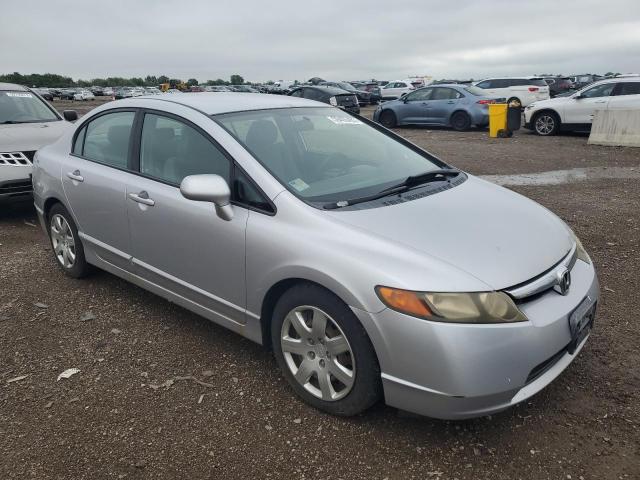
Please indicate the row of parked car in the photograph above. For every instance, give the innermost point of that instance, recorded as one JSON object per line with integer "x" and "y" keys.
{"x": 461, "y": 106}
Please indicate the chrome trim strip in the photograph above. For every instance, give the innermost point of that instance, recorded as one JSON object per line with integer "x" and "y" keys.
{"x": 547, "y": 280}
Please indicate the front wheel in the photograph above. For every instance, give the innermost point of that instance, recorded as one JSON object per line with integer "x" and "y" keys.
{"x": 324, "y": 352}
{"x": 546, "y": 124}
{"x": 65, "y": 243}
{"x": 388, "y": 119}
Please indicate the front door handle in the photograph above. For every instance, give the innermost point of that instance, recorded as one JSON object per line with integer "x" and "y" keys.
{"x": 451, "y": 101}
{"x": 75, "y": 175}
{"x": 600, "y": 101}
{"x": 142, "y": 197}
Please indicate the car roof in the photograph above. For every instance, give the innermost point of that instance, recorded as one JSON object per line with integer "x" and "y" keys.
{"x": 12, "y": 86}
{"x": 526, "y": 77}
{"x": 328, "y": 89}
{"x": 228, "y": 102}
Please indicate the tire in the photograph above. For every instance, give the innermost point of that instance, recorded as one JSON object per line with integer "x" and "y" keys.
{"x": 65, "y": 242}
{"x": 545, "y": 124}
{"x": 341, "y": 347}
{"x": 388, "y": 119}
{"x": 516, "y": 101}
{"x": 460, "y": 121}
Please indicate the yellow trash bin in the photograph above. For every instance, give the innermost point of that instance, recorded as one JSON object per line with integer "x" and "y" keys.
{"x": 497, "y": 118}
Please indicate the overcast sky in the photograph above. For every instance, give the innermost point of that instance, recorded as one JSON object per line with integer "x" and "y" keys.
{"x": 298, "y": 39}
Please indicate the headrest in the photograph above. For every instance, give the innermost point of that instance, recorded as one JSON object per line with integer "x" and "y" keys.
{"x": 262, "y": 132}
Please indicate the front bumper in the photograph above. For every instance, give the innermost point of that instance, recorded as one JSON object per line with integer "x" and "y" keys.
{"x": 457, "y": 371}
{"x": 15, "y": 184}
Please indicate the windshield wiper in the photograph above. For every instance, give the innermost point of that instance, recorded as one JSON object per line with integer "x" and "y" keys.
{"x": 426, "y": 177}
{"x": 406, "y": 184}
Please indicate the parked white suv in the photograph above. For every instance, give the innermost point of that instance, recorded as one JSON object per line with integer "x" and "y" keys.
{"x": 396, "y": 89}
{"x": 576, "y": 112}
{"x": 522, "y": 90}
{"x": 27, "y": 122}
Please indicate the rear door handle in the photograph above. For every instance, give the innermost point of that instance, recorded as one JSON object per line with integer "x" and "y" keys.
{"x": 142, "y": 197}
{"x": 75, "y": 175}
{"x": 600, "y": 101}
{"x": 451, "y": 101}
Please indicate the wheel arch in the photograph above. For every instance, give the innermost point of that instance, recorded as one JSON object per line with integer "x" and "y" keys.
{"x": 279, "y": 288}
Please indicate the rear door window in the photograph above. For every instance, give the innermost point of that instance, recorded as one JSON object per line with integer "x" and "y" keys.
{"x": 107, "y": 139}
{"x": 442, "y": 93}
{"x": 628, "y": 88}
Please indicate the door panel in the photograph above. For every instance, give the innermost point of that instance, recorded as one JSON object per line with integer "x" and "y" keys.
{"x": 98, "y": 205}
{"x": 581, "y": 110}
{"x": 183, "y": 246}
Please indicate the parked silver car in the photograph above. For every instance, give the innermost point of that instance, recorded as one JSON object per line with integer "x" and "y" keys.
{"x": 451, "y": 105}
{"x": 372, "y": 268}
{"x": 27, "y": 122}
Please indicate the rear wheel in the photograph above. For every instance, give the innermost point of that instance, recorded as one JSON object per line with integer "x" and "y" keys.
{"x": 324, "y": 352}
{"x": 546, "y": 124}
{"x": 460, "y": 121}
{"x": 65, "y": 243}
{"x": 388, "y": 119}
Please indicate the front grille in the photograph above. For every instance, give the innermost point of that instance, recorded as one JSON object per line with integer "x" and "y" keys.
{"x": 17, "y": 159}
{"x": 347, "y": 100}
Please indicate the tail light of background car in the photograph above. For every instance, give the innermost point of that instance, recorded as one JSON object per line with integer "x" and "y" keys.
{"x": 485, "y": 102}
{"x": 533, "y": 89}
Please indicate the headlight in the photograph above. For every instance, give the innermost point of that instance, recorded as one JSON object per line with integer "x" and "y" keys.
{"x": 474, "y": 307}
{"x": 333, "y": 101}
{"x": 582, "y": 253}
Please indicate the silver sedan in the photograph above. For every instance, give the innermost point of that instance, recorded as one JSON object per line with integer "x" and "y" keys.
{"x": 373, "y": 269}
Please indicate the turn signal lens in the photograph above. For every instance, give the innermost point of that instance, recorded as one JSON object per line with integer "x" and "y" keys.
{"x": 404, "y": 301}
{"x": 474, "y": 307}
{"x": 580, "y": 250}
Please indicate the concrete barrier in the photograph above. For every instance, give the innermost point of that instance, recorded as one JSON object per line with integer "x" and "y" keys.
{"x": 616, "y": 128}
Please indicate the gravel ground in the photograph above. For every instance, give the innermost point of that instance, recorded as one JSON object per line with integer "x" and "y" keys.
{"x": 162, "y": 393}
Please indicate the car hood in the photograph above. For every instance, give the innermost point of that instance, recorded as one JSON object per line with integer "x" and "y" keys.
{"x": 552, "y": 102}
{"x": 23, "y": 137}
{"x": 499, "y": 237}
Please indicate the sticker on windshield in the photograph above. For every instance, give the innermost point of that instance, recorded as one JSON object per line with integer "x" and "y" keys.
{"x": 344, "y": 120}
{"x": 299, "y": 184}
{"x": 19, "y": 94}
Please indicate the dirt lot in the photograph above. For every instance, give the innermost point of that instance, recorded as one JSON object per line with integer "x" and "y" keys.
{"x": 108, "y": 422}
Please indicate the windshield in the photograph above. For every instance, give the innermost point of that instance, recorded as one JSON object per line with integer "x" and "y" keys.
{"x": 346, "y": 86}
{"x": 325, "y": 154}
{"x": 24, "y": 107}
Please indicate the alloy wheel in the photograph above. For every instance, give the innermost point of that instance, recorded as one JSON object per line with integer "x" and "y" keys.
{"x": 64, "y": 245}
{"x": 318, "y": 353}
{"x": 545, "y": 124}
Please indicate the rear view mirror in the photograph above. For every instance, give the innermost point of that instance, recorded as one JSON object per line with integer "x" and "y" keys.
{"x": 70, "y": 115}
{"x": 209, "y": 188}
{"x": 578, "y": 97}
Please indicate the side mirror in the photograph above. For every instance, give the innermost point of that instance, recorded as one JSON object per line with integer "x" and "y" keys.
{"x": 209, "y": 188}
{"x": 578, "y": 97}
{"x": 70, "y": 115}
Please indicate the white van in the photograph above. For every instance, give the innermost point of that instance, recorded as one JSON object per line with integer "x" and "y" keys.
{"x": 520, "y": 90}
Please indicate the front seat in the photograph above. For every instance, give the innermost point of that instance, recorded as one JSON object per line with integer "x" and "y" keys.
{"x": 262, "y": 140}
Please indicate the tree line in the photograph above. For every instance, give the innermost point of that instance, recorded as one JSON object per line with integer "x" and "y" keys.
{"x": 60, "y": 81}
